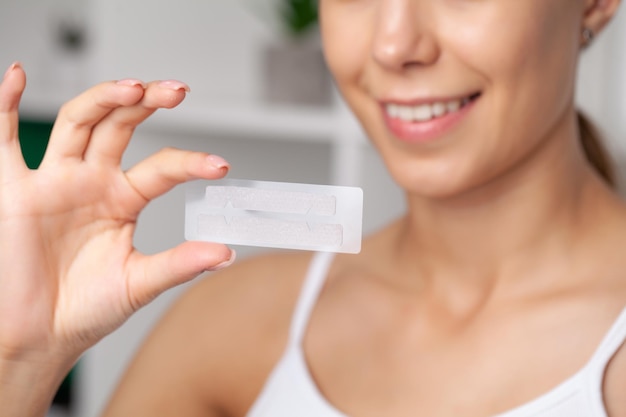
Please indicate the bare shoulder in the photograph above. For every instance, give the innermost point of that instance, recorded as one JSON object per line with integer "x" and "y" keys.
{"x": 611, "y": 256}
{"x": 214, "y": 349}
{"x": 261, "y": 284}
{"x": 615, "y": 385}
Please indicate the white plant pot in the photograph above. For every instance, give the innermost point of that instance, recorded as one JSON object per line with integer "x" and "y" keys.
{"x": 294, "y": 73}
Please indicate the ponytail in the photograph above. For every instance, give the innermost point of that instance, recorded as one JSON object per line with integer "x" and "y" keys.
{"x": 595, "y": 151}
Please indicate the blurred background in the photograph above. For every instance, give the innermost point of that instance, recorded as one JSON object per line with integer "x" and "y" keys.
{"x": 261, "y": 98}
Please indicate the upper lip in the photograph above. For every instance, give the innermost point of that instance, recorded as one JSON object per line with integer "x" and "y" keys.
{"x": 417, "y": 101}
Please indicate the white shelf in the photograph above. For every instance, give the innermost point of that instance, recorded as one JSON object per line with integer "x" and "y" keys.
{"x": 294, "y": 124}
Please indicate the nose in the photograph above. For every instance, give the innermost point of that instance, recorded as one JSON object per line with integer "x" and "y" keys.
{"x": 402, "y": 37}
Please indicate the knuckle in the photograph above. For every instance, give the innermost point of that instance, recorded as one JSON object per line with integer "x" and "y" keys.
{"x": 170, "y": 151}
{"x": 67, "y": 114}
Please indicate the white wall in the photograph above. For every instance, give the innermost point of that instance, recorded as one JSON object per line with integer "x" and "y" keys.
{"x": 210, "y": 44}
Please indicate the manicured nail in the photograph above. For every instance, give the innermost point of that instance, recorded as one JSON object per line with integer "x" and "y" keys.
{"x": 11, "y": 68}
{"x": 131, "y": 82}
{"x": 217, "y": 162}
{"x": 225, "y": 264}
{"x": 174, "y": 85}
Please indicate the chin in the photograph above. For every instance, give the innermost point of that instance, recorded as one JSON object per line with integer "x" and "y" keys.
{"x": 435, "y": 191}
{"x": 427, "y": 185}
{"x": 438, "y": 181}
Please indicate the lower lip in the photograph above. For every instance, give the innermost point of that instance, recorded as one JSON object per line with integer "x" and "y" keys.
{"x": 419, "y": 132}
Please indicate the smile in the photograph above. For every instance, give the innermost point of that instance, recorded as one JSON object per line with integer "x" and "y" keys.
{"x": 426, "y": 121}
{"x": 428, "y": 111}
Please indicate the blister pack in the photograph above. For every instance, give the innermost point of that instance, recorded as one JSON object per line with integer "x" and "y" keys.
{"x": 275, "y": 214}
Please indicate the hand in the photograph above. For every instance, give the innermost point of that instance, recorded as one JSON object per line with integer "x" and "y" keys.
{"x": 69, "y": 274}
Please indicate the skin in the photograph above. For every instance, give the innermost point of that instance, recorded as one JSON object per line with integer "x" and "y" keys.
{"x": 467, "y": 297}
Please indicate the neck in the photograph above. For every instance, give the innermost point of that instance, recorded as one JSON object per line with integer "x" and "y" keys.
{"x": 518, "y": 224}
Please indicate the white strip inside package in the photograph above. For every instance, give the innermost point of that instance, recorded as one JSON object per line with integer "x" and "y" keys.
{"x": 322, "y": 218}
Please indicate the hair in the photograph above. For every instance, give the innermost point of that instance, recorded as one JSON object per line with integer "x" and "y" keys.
{"x": 595, "y": 151}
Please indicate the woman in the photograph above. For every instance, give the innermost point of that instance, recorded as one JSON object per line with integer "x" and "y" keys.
{"x": 502, "y": 290}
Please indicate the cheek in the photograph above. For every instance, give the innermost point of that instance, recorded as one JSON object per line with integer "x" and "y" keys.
{"x": 345, "y": 37}
{"x": 528, "y": 70}
{"x": 347, "y": 32}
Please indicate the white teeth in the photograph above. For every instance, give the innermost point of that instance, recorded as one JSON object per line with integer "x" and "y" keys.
{"x": 405, "y": 113}
{"x": 393, "y": 110}
{"x": 424, "y": 112}
{"x": 453, "y": 106}
{"x": 439, "y": 109}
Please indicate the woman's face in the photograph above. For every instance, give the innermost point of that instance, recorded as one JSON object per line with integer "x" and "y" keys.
{"x": 454, "y": 93}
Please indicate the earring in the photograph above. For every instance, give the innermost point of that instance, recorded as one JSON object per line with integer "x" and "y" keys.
{"x": 587, "y": 36}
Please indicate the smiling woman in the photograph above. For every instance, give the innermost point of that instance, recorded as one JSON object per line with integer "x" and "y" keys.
{"x": 499, "y": 292}
{"x": 451, "y": 55}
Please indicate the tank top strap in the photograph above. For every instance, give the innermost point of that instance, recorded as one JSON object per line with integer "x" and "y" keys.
{"x": 609, "y": 346}
{"x": 311, "y": 288}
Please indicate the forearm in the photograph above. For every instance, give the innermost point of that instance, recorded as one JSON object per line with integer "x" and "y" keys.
{"x": 27, "y": 388}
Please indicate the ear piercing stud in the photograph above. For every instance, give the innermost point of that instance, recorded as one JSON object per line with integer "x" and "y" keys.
{"x": 587, "y": 36}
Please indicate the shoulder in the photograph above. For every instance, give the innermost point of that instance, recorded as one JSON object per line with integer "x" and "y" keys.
{"x": 607, "y": 278}
{"x": 250, "y": 302}
{"x": 241, "y": 317}
{"x": 611, "y": 264}
{"x": 216, "y": 346}
{"x": 614, "y": 383}
{"x": 261, "y": 284}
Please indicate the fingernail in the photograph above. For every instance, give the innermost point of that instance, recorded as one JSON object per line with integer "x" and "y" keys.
{"x": 174, "y": 85}
{"x": 11, "y": 68}
{"x": 225, "y": 264}
{"x": 217, "y": 162}
{"x": 131, "y": 82}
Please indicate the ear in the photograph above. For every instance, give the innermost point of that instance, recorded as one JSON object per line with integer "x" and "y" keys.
{"x": 598, "y": 13}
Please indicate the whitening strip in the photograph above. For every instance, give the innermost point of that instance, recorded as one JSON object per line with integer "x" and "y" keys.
{"x": 275, "y": 214}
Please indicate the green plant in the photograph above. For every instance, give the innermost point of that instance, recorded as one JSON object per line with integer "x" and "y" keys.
{"x": 298, "y": 16}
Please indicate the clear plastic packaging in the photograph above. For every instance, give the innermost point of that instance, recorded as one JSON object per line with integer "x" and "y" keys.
{"x": 275, "y": 214}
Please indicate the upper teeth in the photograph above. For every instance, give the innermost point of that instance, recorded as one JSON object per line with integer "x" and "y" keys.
{"x": 424, "y": 112}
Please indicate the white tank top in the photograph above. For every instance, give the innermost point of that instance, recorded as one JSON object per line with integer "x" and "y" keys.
{"x": 291, "y": 392}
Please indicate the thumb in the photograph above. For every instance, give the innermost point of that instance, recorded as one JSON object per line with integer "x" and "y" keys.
{"x": 154, "y": 274}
